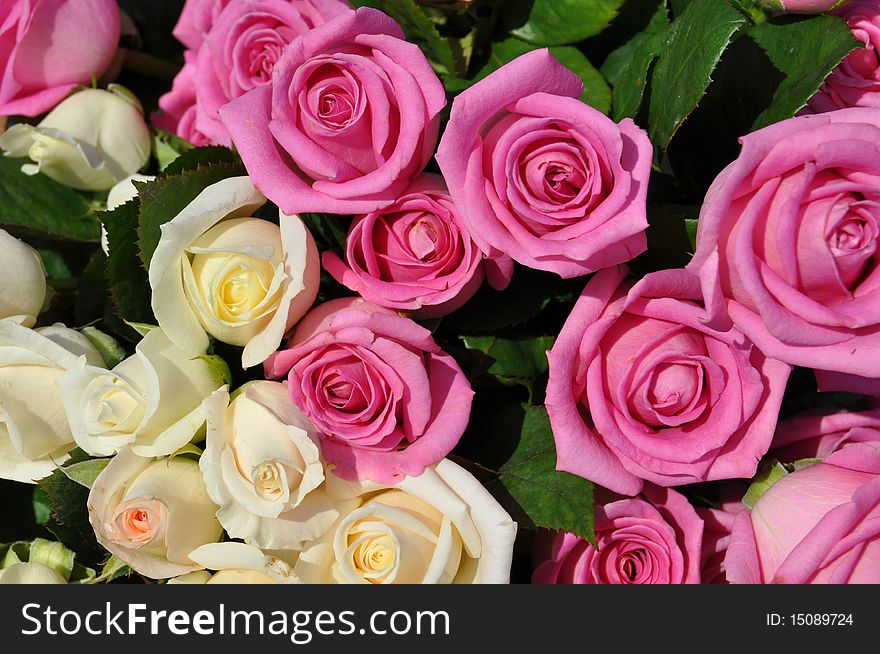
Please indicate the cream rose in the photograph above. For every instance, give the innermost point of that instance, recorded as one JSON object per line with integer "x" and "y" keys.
{"x": 23, "y": 284}
{"x": 90, "y": 141}
{"x": 152, "y": 513}
{"x": 262, "y": 465}
{"x": 30, "y": 573}
{"x": 218, "y": 270}
{"x": 440, "y": 527}
{"x": 35, "y": 437}
{"x": 151, "y": 400}
{"x": 237, "y": 563}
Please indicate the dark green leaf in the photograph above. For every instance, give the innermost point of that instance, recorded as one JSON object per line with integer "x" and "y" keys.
{"x": 165, "y": 197}
{"x": 557, "y": 22}
{"x": 806, "y": 51}
{"x": 84, "y": 473}
{"x": 192, "y": 159}
{"x": 696, "y": 41}
{"x": 329, "y": 231}
{"x": 129, "y": 286}
{"x": 551, "y": 499}
{"x": 53, "y": 262}
{"x": 42, "y": 206}
{"x": 628, "y": 67}
{"x": 69, "y": 520}
{"x": 518, "y": 360}
{"x": 41, "y": 506}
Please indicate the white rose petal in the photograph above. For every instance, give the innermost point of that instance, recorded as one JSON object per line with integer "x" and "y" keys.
{"x": 217, "y": 270}
{"x": 35, "y": 436}
{"x": 152, "y": 514}
{"x": 23, "y": 283}
{"x": 151, "y": 400}
{"x": 90, "y": 141}
{"x": 237, "y": 563}
{"x": 262, "y": 465}
{"x": 30, "y": 573}
{"x": 440, "y": 527}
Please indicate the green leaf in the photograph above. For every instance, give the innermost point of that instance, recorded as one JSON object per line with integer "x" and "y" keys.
{"x": 53, "y": 262}
{"x": 69, "y": 520}
{"x": 196, "y": 157}
{"x": 551, "y": 499}
{"x": 141, "y": 328}
{"x": 85, "y": 472}
{"x": 628, "y": 67}
{"x": 41, "y": 506}
{"x": 766, "y": 477}
{"x": 219, "y": 368}
{"x": 806, "y": 51}
{"x": 557, "y": 22}
{"x": 522, "y": 360}
{"x": 165, "y": 197}
{"x": 696, "y": 41}
{"x": 596, "y": 92}
{"x": 690, "y": 225}
{"x": 42, "y": 206}
{"x": 129, "y": 286}
{"x": 329, "y": 231}
{"x": 109, "y": 348}
{"x": 113, "y": 568}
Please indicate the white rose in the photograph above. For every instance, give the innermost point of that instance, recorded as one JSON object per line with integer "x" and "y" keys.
{"x": 35, "y": 436}
{"x": 30, "y": 573}
{"x": 237, "y": 563}
{"x": 23, "y": 283}
{"x": 152, "y": 513}
{"x": 262, "y": 466}
{"x": 440, "y": 527}
{"x": 151, "y": 400}
{"x": 245, "y": 281}
{"x": 90, "y": 141}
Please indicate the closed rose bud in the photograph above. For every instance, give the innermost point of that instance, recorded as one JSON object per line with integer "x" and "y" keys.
{"x": 90, "y": 141}
{"x": 35, "y": 436}
{"x": 23, "y": 283}
{"x": 152, "y": 513}
{"x": 30, "y": 573}
{"x": 801, "y": 6}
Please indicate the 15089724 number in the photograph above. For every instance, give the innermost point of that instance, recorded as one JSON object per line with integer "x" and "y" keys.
{"x": 821, "y": 619}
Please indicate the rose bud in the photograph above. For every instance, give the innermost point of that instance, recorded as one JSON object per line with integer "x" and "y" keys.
{"x": 218, "y": 270}
{"x": 35, "y": 436}
{"x": 151, "y": 400}
{"x": 801, "y": 6}
{"x": 51, "y": 46}
{"x": 152, "y": 513}
{"x": 30, "y": 573}
{"x": 91, "y": 141}
{"x": 23, "y": 284}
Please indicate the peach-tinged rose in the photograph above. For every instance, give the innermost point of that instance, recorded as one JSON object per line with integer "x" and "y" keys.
{"x": 218, "y": 270}
{"x": 440, "y": 527}
{"x": 262, "y": 465}
{"x": 151, "y": 400}
{"x": 90, "y": 141}
{"x": 153, "y": 513}
{"x": 23, "y": 283}
{"x": 237, "y": 563}
{"x": 35, "y": 436}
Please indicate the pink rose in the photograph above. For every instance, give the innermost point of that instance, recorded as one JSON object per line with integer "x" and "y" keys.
{"x": 640, "y": 389}
{"x": 51, "y": 46}
{"x": 856, "y": 80}
{"x": 542, "y": 177}
{"x": 413, "y": 255}
{"x": 817, "y": 525}
{"x": 801, "y": 6}
{"x": 178, "y": 106}
{"x": 351, "y": 117}
{"x": 196, "y": 20}
{"x": 787, "y": 242}
{"x": 818, "y": 434}
{"x": 241, "y": 48}
{"x": 387, "y": 401}
{"x": 651, "y": 539}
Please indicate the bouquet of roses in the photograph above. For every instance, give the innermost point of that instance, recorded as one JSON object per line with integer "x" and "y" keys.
{"x": 319, "y": 291}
